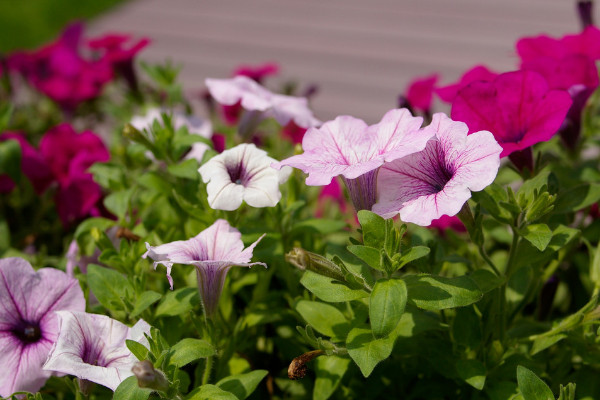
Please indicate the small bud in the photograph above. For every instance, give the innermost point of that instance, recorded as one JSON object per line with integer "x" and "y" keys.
{"x": 85, "y": 386}
{"x": 584, "y": 7}
{"x": 131, "y": 133}
{"x": 148, "y": 377}
{"x": 305, "y": 260}
{"x": 297, "y": 369}
{"x": 123, "y": 232}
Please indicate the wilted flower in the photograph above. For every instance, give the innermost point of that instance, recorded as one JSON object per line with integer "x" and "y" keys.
{"x": 438, "y": 180}
{"x": 242, "y": 173}
{"x": 28, "y": 324}
{"x": 517, "y": 107}
{"x": 254, "y": 97}
{"x": 213, "y": 251}
{"x": 477, "y": 73}
{"x": 92, "y": 347}
{"x": 347, "y": 146}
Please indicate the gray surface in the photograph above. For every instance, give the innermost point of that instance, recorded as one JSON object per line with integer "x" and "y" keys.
{"x": 362, "y": 54}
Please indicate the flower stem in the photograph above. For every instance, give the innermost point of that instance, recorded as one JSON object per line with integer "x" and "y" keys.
{"x": 207, "y": 370}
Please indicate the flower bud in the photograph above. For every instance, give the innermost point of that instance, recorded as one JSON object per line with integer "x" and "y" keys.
{"x": 148, "y": 377}
{"x": 305, "y": 260}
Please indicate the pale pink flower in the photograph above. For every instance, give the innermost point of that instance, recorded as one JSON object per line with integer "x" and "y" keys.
{"x": 347, "y": 146}
{"x": 213, "y": 251}
{"x": 438, "y": 180}
{"x": 254, "y": 97}
{"x": 92, "y": 347}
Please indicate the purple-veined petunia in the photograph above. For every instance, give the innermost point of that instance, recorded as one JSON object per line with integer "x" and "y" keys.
{"x": 254, "y": 97}
{"x": 347, "y": 146}
{"x": 438, "y": 181}
{"x": 242, "y": 173}
{"x": 28, "y": 324}
{"x": 213, "y": 251}
{"x": 92, "y": 347}
{"x": 517, "y": 107}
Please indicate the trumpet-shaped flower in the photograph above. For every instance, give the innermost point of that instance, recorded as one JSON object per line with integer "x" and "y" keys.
{"x": 347, "y": 146}
{"x": 254, "y": 97}
{"x": 242, "y": 173}
{"x": 438, "y": 180}
{"x": 518, "y": 107}
{"x": 28, "y": 324}
{"x": 213, "y": 251}
{"x": 419, "y": 93}
{"x": 478, "y": 73}
{"x": 92, "y": 347}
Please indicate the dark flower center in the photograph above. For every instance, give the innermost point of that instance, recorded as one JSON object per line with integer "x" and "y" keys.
{"x": 237, "y": 173}
{"x": 28, "y": 332}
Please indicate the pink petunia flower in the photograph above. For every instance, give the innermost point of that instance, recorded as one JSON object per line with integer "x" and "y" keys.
{"x": 438, "y": 181}
{"x": 33, "y": 165}
{"x": 254, "y": 97}
{"x": 347, "y": 146}
{"x": 213, "y": 251}
{"x": 419, "y": 93}
{"x": 517, "y": 107}
{"x": 28, "y": 324}
{"x": 92, "y": 347}
{"x": 242, "y": 173}
{"x": 478, "y": 73}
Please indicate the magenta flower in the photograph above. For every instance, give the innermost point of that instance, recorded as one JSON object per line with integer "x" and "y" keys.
{"x": 419, "y": 93}
{"x": 213, "y": 251}
{"x": 61, "y": 73}
{"x": 28, "y": 324}
{"x": 438, "y": 181}
{"x": 33, "y": 165}
{"x": 517, "y": 107}
{"x": 347, "y": 146}
{"x": 92, "y": 347}
{"x": 254, "y": 97}
{"x": 477, "y": 73}
{"x": 257, "y": 73}
{"x": 331, "y": 193}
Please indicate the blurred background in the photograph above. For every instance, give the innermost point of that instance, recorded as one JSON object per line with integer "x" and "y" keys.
{"x": 360, "y": 54}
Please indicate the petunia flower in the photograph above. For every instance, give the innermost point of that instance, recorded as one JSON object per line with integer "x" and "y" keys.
{"x": 517, "y": 107}
{"x": 213, "y": 251}
{"x": 477, "y": 73}
{"x": 242, "y": 173}
{"x": 254, "y": 97}
{"x": 347, "y": 146}
{"x": 438, "y": 181}
{"x": 28, "y": 324}
{"x": 92, "y": 347}
{"x": 258, "y": 72}
{"x": 419, "y": 93}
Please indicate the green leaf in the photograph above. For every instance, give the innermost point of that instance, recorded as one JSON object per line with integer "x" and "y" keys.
{"x": 489, "y": 199}
{"x": 595, "y": 266}
{"x": 472, "y": 371}
{"x": 532, "y": 387}
{"x": 6, "y": 111}
{"x": 329, "y": 371}
{"x": 242, "y": 385}
{"x": 432, "y": 292}
{"x": 538, "y": 235}
{"x": 210, "y": 392}
{"x": 324, "y": 318}
{"x": 155, "y": 182}
{"x": 527, "y": 254}
{"x": 145, "y": 300}
{"x": 129, "y": 390}
{"x": 317, "y": 225}
{"x": 189, "y": 349}
{"x": 4, "y": 236}
{"x": 543, "y": 342}
{"x": 466, "y": 328}
{"x": 373, "y": 228}
{"x": 486, "y": 280}
{"x": 567, "y": 392}
{"x": 414, "y": 253}
{"x": 118, "y": 202}
{"x": 137, "y": 349}
{"x": 366, "y": 351}
{"x": 108, "y": 175}
{"x": 577, "y": 198}
{"x": 109, "y": 286}
{"x": 369, "y": 255}
{"x": 386, "y": 306}
{"x": 178, "y": 302}
{"x": 10, "y": 159}
{"x": 330, "y": 290}
{"x": 186, "y": 169}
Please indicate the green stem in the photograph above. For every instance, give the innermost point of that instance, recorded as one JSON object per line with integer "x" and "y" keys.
{"x": 476, "y": 235}
{"x": 207, "y": 370}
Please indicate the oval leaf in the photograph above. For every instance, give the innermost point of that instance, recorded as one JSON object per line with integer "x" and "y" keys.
{"x": 386, "y": 305}
{"x": 432, "y": 292}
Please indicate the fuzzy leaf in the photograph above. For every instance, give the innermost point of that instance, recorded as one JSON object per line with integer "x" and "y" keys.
{"x": 386, "y": 306}
{"x": 432, "y": 292}
{"x": 242, "y": 385}
{"x": 532, "y": 387}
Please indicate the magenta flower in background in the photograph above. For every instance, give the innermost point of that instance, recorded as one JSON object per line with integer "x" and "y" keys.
{"x": 331, "y": 193}
{"x": 61, "y": 73}
{"x": 69, "y": 154}
{"x": 242, "y": 173}
{"x": 517, "y": 107}
{"x": 213, "y": 251}
{"x": 419, "y": 93}
{"x": 254, "y": 97}
{"x": 347, "y": 146}
{"x": 438, "y": 181}
{"x": 257, "y": 73}
{"x": 293, "y": 132}
{"x": 28, "y": 324}
{"x": 33, "y": 165}
{"x": 477, "y": 73}
{"x": 445, "y": 222}
{"x": 92, "y": 347}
